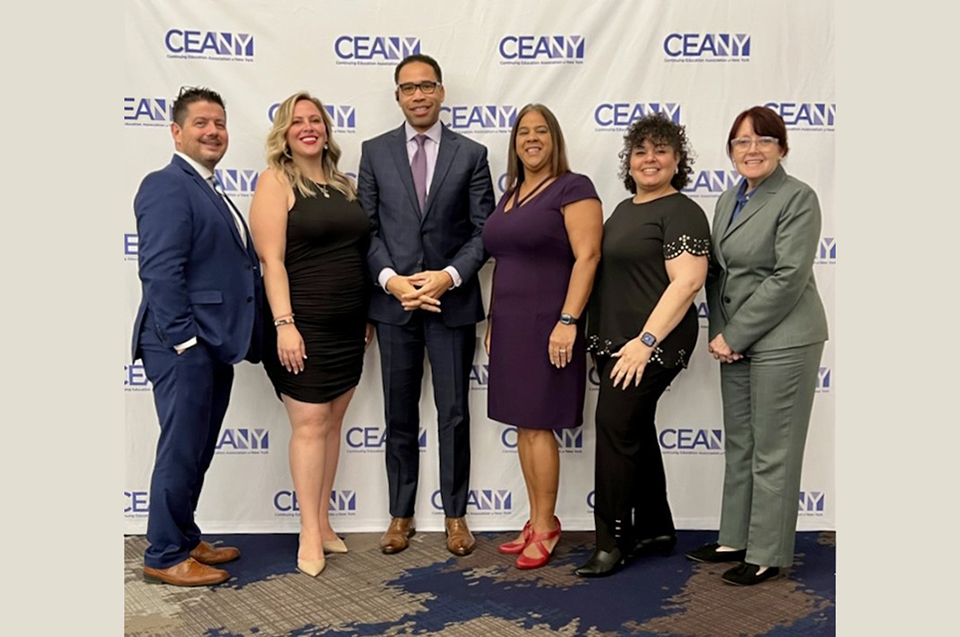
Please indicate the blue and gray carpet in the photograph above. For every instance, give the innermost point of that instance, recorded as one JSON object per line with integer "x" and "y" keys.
{"x": 426, "y": 591}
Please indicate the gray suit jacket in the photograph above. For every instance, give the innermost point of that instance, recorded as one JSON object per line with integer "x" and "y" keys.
{"x": 761, "y": 291}
{"x": 446, "y": 233}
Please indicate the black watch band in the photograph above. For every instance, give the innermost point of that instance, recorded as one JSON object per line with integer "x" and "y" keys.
{"x": 567, "y": 319}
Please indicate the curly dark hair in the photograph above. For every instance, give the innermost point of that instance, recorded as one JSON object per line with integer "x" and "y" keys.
{"x": 658, "y": 128}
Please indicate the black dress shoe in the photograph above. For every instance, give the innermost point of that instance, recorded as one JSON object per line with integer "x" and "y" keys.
{"x": 709, "y": 553}
{"x": 746, "y": 575}
{"x": 601, "y": 563}
{"x": 660, "y": 545}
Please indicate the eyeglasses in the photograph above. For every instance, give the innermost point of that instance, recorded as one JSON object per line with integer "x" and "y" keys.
{"x": 427, "y": 88}
{"x": 744, "y": 143}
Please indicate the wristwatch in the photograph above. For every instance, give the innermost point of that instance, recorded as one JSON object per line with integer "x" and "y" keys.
{"x": 648, "y": 339}
{"x": 567, "y": 319}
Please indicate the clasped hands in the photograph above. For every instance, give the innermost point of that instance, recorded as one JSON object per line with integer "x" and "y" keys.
{"x": 721, "y": 351}
{"x": 420, "y": 291}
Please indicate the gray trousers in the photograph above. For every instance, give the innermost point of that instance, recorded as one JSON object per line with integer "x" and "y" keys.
{"x": 767, "y": 400}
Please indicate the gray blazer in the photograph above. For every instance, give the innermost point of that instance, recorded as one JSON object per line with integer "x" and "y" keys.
{"x": 761, "y": 291}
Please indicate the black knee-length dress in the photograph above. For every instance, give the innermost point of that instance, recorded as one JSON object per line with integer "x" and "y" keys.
{"x": 327, "y": 241}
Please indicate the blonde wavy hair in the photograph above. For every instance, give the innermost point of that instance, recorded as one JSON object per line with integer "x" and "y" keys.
{"x": 279, "y": 159}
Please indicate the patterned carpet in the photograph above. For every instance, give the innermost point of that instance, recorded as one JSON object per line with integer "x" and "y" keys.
{"x": 426, "y": 591}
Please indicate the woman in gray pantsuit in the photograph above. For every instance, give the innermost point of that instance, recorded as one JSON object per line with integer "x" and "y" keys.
{"x": 767, "y": 329}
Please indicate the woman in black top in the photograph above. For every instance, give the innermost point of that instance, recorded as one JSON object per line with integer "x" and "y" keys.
{"x": 642, "y": 327}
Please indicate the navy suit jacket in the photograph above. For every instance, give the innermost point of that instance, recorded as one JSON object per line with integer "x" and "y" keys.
{"x": 447, "y": 233}
{"x": 198, "y": 279}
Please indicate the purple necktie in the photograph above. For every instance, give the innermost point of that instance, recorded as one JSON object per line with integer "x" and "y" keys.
{"x": 419, "y": 168}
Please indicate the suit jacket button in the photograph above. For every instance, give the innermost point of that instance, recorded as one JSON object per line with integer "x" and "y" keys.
{"x": 726, "y": 299}
{"x": 249, "y": 299}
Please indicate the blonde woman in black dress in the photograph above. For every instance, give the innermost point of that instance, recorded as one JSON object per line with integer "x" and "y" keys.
{"x": 312, "y": 238}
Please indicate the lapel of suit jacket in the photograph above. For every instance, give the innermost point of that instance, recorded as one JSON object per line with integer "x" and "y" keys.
{"x": 216, "y": 199}
{"x": 449, "y": 145}
{"x": 765, "y": 192}
{"x": 721, "y": 219}
{"x": 398, "y": 147}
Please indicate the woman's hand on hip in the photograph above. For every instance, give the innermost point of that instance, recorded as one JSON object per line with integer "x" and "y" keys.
{"x": 290, "y": 348}
{"x": 632, "y": 358}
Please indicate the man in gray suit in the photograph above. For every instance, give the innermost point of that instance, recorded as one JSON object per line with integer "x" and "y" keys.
{"x": 428, "y": 192}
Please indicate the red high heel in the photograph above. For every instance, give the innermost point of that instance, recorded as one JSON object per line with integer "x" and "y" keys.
{"x": 536, "y": 539}
{"x": 515, "y": 547}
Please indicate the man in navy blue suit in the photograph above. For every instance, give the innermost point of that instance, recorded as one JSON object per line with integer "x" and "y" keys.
{"x": 427, "y": 191}
{"x": 199, "y": 315}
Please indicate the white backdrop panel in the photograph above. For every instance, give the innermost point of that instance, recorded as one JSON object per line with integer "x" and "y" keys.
{"x": 597, "y": 66}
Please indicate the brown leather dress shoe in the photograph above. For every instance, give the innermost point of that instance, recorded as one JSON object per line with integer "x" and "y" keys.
{"x": 189, "y": 572}
{"x": 207, "y": 553}
{"x": 460, "y": 540}
{"x": 397, "y": 536}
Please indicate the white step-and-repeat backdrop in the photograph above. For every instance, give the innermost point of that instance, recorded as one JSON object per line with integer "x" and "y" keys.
{"x": 598, "y": 66}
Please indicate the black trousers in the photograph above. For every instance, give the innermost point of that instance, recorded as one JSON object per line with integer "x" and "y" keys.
{"x": 450, "y": 350}
{"x": 630, "y": 502}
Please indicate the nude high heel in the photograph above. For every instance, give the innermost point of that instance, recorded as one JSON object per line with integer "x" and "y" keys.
{"x": 311, "y": 567}
{"x": 335, "y": 546}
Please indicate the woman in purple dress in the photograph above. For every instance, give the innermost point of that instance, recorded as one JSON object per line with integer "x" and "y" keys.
{"x": 545, "y": 236}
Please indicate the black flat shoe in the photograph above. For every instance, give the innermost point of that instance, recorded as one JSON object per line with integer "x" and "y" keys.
{"x": 660, "y": 545}
{"x": 746, "y": 575}
{"x": 709, "y": 553}
{"x": 601, "y": 563}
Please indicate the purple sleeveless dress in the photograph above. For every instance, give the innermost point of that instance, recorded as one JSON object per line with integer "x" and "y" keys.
{"x": 533, "y": 265}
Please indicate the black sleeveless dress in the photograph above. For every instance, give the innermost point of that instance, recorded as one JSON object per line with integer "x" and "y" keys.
{"x": 327, "y": 241}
